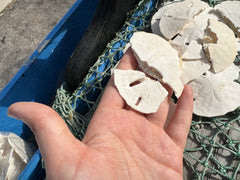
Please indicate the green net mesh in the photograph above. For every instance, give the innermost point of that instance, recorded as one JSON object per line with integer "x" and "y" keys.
{"x": 213, "y": 146}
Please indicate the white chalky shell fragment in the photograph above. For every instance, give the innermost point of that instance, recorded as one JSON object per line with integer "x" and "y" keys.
{"x": 179, "y": 15}
{"x": 145, "y": 97}
{"x": 230, "y": 12}
{"x": 215, "y": 94}
{"x": 179, "y": 43}
{"x": 193, "y": 69}
{"x": 158, "y": 59}
{"x": 14, "y": 155}
{"x": 186, "y": 41}
{"x": 5, "y": 151}
{"x": 220, "y": 45}
{"x": 156, "y": 18}
{"x": 20, "y": 147}
{"x": 194, "y": 51}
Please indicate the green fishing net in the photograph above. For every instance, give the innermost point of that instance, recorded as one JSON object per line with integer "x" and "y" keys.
{"x": 213, "y": 146}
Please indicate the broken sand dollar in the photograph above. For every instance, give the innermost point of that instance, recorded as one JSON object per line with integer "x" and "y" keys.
{"x": 186, "y": 41}
{"x": 5, "y": 151}
{"x": 193, "y": 69}
{"x": 179, "y": 15}
{"x": 140, "y": 92}
{"x": 230, "y": 12}
{"x": 215, "y": 94}
{"x": 179, "y": 44}
{"x": 194, "y": 51}
{"x": 219, "y": 45}
{"x": 157, "y": 58}
{"x": 20, "y": 147}
{"x": 14, "y": 155}
{"x": 156, "y": 18}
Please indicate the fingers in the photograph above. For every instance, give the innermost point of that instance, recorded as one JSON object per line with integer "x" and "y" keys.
{"x": 171, "y": 111}
{"x": 178, "y": 127}
{"x": 54, "y": 139}
{"x": 159, "y": 118}
{"x": 111, "y": 97}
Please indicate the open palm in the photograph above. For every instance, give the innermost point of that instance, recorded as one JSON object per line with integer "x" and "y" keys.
{"x": 120, "y": 143}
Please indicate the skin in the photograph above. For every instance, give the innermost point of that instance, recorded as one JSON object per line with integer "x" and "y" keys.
{"x": 120, "y": 143}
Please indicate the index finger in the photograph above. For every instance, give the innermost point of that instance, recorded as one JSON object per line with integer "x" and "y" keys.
{"x": 179, "y": 126}
{"x": 111, "y": 98}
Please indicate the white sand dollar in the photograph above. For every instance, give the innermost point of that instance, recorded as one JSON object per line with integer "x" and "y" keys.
{"x": 230, "y": 12}
{"x": 156, "y": 18}
{"x": 215, "y": 94}
{"x": 14, "y": 155}
{"x": 193, "y": 69}
{"x": 158, "y": 59}
{"x": 140, "y": 92}
{"x": 220, "y": 45}
{"x": 186, "y": 42}
{"x": 179, "y": 15}
{"x": 194, "y": 51}
{"x": 20, "y": 147}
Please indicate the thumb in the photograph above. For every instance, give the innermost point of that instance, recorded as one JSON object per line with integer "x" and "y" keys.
{"x": 56, "y": 143}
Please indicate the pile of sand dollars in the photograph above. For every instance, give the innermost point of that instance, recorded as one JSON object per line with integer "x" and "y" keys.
{"x": 191, "y": 43}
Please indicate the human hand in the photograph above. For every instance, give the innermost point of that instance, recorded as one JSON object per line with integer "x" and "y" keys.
{"x": 120, "y": 143}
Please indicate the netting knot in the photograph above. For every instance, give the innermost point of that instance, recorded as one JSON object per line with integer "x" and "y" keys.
{"x": 203, "y": 145}
{"x": 212, "y": 142}
{"x": 238, "y": 155}
{"x": 205, "y": 163}
{"x": 223, "y": 170}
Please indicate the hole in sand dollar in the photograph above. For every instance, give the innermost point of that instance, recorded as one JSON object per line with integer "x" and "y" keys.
{"x": 134, "y": 83}
{"x": 138, "y": 101}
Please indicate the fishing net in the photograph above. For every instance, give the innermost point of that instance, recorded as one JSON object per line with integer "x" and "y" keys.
{"x": 213, "y": 146}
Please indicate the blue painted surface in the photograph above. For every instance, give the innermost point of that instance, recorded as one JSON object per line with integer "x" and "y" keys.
{"x": 42, "y": 73}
